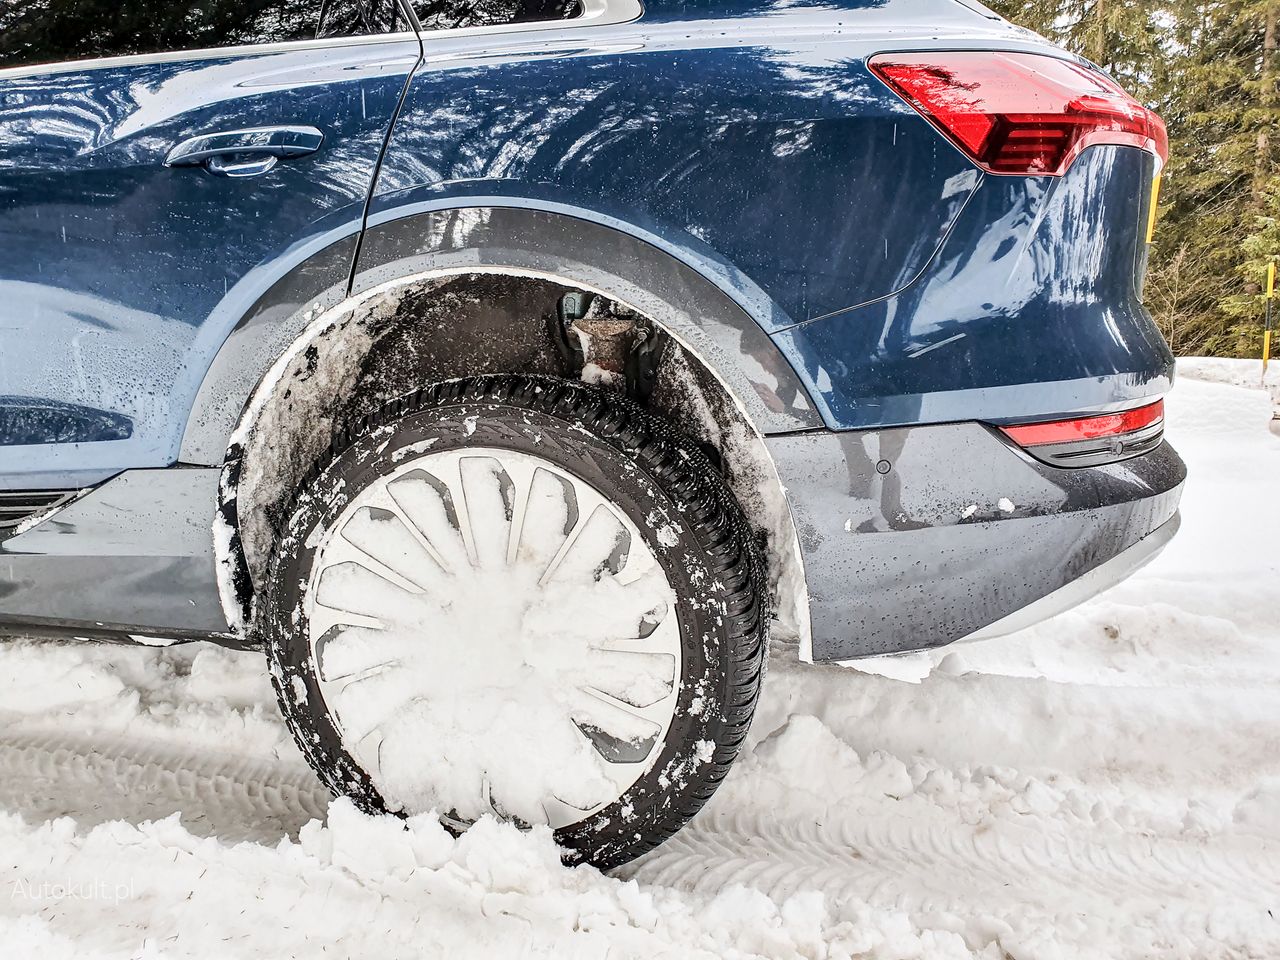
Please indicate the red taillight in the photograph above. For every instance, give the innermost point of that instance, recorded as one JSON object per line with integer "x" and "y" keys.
{"x": 1087, "y": 428}
{"x": 1020, "y": 113}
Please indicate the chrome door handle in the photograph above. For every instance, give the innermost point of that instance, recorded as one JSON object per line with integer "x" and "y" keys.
{"x": 244, "y": 153}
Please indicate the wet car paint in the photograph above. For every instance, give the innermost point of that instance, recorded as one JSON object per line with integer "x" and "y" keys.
{"x": 756, "y": 161}
{"x": 732, "y": 160}
{"x": 1029, "y": 311}
{"x": 901, "y": 555}
{"x": 122, "y": 277}
{"x": 758, "y": 133}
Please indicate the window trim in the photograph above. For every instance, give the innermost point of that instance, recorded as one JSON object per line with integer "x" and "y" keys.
{"x": 595, "y": 13}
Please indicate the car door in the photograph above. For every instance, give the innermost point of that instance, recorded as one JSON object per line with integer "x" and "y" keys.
{"x": 161, "y": 165}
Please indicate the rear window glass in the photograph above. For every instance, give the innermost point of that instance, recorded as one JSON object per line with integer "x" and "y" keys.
{"x": 52, "y": 31}
{"x": 452, "y": 14}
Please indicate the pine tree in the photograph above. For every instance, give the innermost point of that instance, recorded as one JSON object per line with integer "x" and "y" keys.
{"x": 1209, "y": 69}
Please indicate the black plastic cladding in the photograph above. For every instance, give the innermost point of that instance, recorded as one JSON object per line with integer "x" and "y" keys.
{"x": 917, "y": 557}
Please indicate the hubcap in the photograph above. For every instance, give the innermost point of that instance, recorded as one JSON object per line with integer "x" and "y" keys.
{"x": 491, "y": 634}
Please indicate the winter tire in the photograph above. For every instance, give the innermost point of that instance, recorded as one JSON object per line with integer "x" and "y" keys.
{"x": 518, "y": 596}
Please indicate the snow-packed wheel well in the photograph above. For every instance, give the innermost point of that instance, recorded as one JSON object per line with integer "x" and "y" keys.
{"x": 373, "y": 349}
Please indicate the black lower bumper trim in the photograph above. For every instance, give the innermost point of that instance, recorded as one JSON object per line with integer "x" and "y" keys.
{"x": 915, "y": 537}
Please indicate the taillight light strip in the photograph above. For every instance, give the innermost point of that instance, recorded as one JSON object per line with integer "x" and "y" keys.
{"x": 1086, "y": 428}
{"x": 1020, "y": 113}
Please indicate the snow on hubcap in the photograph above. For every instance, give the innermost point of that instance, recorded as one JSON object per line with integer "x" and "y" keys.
{"x": 491, "y": 634}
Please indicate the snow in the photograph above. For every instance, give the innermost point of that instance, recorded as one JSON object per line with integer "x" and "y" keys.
{"x": 1241, "y": 373}
{"x": 474, "y": 680}
{"x": 754, "y": 480}
{"x": 1106, "y": 784}
{"x": 275, "y": 438}
{"x": 595, "y": 374}
{"x": 150, "y": 641}
{"x": 909, "y": 667}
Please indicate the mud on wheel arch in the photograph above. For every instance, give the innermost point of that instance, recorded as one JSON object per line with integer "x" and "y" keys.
{"x": 362, "y": 354}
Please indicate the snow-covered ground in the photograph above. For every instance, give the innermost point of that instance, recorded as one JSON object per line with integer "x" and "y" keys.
{"x": 1242, "y": 373}
{"x": 1104, "y": 785}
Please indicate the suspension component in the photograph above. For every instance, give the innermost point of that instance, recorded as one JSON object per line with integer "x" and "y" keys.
{"x": 607, "y": 344}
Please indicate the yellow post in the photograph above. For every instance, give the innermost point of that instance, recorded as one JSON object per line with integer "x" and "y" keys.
{"x": 1151, "y": 211}
{"x": 1266, "y": 333}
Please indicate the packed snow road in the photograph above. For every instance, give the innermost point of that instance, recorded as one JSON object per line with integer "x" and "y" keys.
{"x": 1105, "y": 785}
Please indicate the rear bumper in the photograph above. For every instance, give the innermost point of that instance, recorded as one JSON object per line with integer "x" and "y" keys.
{"x": 1107, "y": 574}
{"x": 916, "y": 537}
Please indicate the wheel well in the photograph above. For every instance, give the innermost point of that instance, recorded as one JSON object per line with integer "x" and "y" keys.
{"x": 390, "y": 341}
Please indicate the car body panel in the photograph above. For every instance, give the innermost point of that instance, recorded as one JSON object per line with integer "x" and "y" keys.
{"x": 773, "y": 203}
{"x": 714, "y": 131}
{"x": 729, "y": 167}
{"x": 132, "y": 272}
{"x": 904, "y": 559}
{"x": 133, "y": 556}
{"x": 1030, "y": 311}
{"x": 900, "y": 555}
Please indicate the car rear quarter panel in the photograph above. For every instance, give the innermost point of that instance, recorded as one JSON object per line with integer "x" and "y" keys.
{"x": 1029, "y": 311}
{"x": 754, "y": 144}
{"x": 760, "y": 149}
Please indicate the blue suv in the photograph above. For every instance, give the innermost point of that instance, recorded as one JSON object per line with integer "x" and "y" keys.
{"x": 507, "y": 371}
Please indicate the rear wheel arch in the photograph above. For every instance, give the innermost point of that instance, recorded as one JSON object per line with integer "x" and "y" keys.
{"x": 459, "y": 321}
{"x": 725, "y": 322}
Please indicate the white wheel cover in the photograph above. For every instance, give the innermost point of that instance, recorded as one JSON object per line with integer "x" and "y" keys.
{"x": 491, "y": 635}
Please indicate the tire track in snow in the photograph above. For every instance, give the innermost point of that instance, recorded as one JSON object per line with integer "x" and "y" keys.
{"x": 937, "y": 863}
{"x": 234, "y": 798}
{"x": 913, "y": 862}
